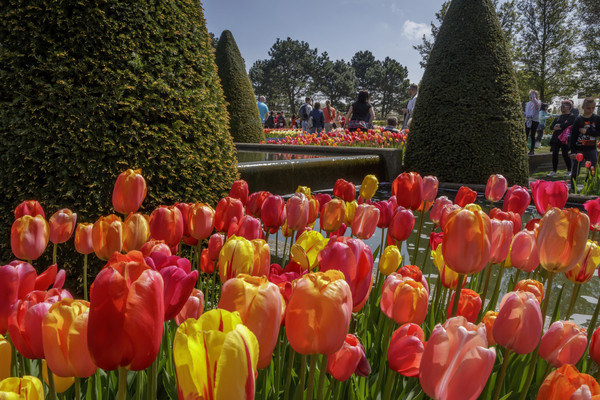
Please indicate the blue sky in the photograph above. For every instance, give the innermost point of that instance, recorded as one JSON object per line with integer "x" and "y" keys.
{"x": 339, "y": 27}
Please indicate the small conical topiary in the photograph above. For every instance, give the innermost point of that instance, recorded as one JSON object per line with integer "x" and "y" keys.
{"x": 90, "y": 89}
{"x": 467, "y": 121}
{"x": 244, "y": 119}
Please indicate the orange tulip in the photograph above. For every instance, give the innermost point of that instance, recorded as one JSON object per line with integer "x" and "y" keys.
{"x": 464, "y": 196}
{"x": 201, "y": 221}
{"x": 489, "y": 319}
{"x": 408, "y": 189}
{"x": 29, "y": 237}
{"x": 563, "y": 382}
{"x": 62, "y": 224}
{"x": 297, "y": 209}
{"x": 584, "y": 270}
{"x": 333, "y": 215}
{"x": 155, "y": 246}
{"x": 29, "y": 207}
{"x": 260, "y": 306}
{"x": 64, "y": 334}
{"x": 229, "y": 210}
{"x": 563, "y": 343}
{"x": 518, "y": 326}
{"x": 532, "y": 286}
{"x": 404, "y": 300}
{"x": 502, "y": 234}
{"x": 136, "y": 231}
{"x": 313, "y": 210}
{"x": 129, "y": 191}
{"x": 83, "y": 238}
{"x": 365, "y": 221}
{"x": 495, "y": 188}
{"x": 107, "y": 236}
{"x": 166, "y": 223}
{"x": 193, "y": 307}
{"x": 467, "y": 240}
{"x": 469, "y": 305}
{"x": 562, "y": 238}
{"x": 61, "y": 384}
{"x": 523, "y": 252}
{"x": 262, "y": 257}
{"x": 318, "y": 313}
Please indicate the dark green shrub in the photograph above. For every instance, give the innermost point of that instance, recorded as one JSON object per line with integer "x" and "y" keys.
{"x": 467, "y": 122}
{"x": 244, "y": 120}
{"x": 89, "y": 89}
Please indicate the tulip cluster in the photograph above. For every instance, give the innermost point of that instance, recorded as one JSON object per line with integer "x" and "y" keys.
{"x": 339, "y": 137}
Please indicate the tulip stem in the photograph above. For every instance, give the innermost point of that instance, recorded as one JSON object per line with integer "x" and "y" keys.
{"x": 494, "y": 299}
{"x": 122, "y": 392}
{"x": 593, "y": 321}
{"x": 284, "y": 249}
{"x": 289, "y": 257}
{"x": 54, "y": 253}
{"x": 85, "y": 288}
{"x": 517, "y": 278}
{"x": 14, "y": 368}
{"x": 322, "y": 373}
{"x": 389, "y": 384}
{"x": 302, "y": 385}
{"x": 547, "y": 297}
{"x": 383, "y": 357}
{"x": 576, "y": 287}
{"x": 51, "y": 390}
{"x": 338, "y": 386}
{"x": 486, "y": 284}
{"x": 77, "y": 389}
{"x": 310, "y": 392}
{"x": 457, "y": 295}
{"x": 288, "y": 378}
{"x": 152, "y": 385}
{"x": 416, "y": 250}
{"x": 502, "y": 374}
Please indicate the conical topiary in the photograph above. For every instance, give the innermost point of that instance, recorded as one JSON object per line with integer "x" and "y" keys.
{"x": 467, "y": 122}
{"x": 89, "y": 89}
{"x": 244, "y": 120}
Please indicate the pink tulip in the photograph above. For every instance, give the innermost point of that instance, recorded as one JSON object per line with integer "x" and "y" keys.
{"x": 62, "y": 224}
{"x": 273, "y": 212}
{"x": 523, "y": 253}
{"x": 592, "y": 208}
{"x": 365, "y": 221}
{"x": 502, "y": 234}
{"x": 516, "y": 200}
{"x": 386, "y": 210}
{"x": 435, "y": 214}
{"x": 402, "y": 224}
{"x": 193, "y": 307}
{"x": 255, "y": 203}
{"x": 563, "y": 343}
{"x": 495, "y": 188}
{"x": 518, "y": 326}
{"x": 549, "y": 194}
{"x": 349, "y": 359}
{"x": 297, "y": 212}
{"x": 249, "y": 227}
{"x": 430, "y": 188}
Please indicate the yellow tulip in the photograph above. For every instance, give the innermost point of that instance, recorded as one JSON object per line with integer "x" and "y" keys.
{"x": 368, "y": 187}
{"x": 236, "y": 257}
{"x": 5, "y": 357}
{"x": 306, "y": 249}
{"x": 25, "y": 388}
{"x": 390, "y": 260}
{"x": 350, "y": 211}
{"x": 304, "y": 190}
{"x": 215, "y": 357}
{"x": 60, "y": 384}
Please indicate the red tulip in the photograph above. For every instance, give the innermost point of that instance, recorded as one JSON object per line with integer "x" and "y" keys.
{"x": 107, "y": 236}
{"x": 386, "y": 210}
{"x": 465, "y": 196}
{"x": 408, "y": 189}
{"x": 592, "y": 208}
{"x": 354, "y": 258}
{"x": 178, "y": 278}
{"x": 166, "y": 223}
{"x": 495, "y": 188}
{"x": 563, "y": 343}
{"x": 129, "y": 191}
{"x": 193, "y": 307}
{"x": 438, "y": 206}
{"x": 365, "y": 221}
{"x": 349, "y": 359}
{"x": 496, "y": 213}
{"x": 62, "y": 224}
{"x": 402, "y": 224}
{"x": 273, "y": 212}
{"x": 126, "y": 314}
{"x": 25, "y": 322}
{"x": 206, "y": 264}
{"x": 456, "y": 362}
{"x": 523, "y": 252}
{"x": 51, "y": 276}
{"x": 516, "y": 200}
{"x": 549, "y": 194}
{"x": 29, "y": 207}
{"x": 255, "y": 203}
{"x": 404, "y": 300}
{"x": 297, "y": 212}
{"x": 533, "y": 224}
{"x": 215, "y": 244}
{"x": 29, "y": 237}
{"x": 228, "y": 210}
{"x": 185, "y": 213}
{"x": 16, "y": 281}
{"x": 153, "y": 246}
{"x": 518, "y": 326}
{"x": 136, "y": 231}
{"x": 406, "y": 349}
{"x": 83, "y": 238}
{"x": 579, "y": 157}
{"x": 323, "y": 199}
{"x": 469, "y": 305}
{"x": 239, "y": 190}
{"x": 595, "y": 346}
{"x": 502, "y": 234}
{"x": 446, "y": 213}
{"x": 344, "y": 190}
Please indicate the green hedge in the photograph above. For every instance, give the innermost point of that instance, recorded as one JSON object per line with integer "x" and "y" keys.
{"x": 89, "y": 89}
{"x": 245, "y": 125}
{"x": 467, "y": 121}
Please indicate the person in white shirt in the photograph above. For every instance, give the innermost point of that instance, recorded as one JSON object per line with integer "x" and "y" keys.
{"x": 413, "y": 89}
{"x": 532, "y": 117}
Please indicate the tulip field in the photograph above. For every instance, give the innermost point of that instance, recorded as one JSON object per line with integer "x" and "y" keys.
{"x": 338, "y": 137}
{"x": 270, "y": 298}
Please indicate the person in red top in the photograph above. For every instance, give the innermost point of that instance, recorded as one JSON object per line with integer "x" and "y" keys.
{"x": 329, "y": 113}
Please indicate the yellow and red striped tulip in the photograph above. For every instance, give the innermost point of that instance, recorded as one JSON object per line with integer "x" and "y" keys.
{"x": 136, "y": 232}
{"x": 29, "y": 237}
{"x": 584, "y": 270}
{"x": 215, "y": 357}
{"x": 62, "y": 224}
{"x": 260, "y": 306}
{"x": 307, "y": 248}
{"x": 83, "y": 238}
{"x": 236, "y": 257}
{"x": 318, "y": 313}
{"x": 129, "y": 191}
{"x": 561, "y": 239}
{"x": 64, "y": 334}
{"x": 107, "y": 236}
{"x": 25, "y": 388}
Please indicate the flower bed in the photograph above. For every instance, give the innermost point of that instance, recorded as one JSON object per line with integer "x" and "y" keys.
{"x": 338, "y": 137}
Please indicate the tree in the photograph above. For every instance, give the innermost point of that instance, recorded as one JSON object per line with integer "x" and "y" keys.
{"x": 392, "y": 86}
{"x": 93, "y": 88}
{"x": 589, "y": 59}
{"x": 424, "y": 48}
{"x": 546, "y": 47}
{"x": 362, "y": 62}
{"x": 244, "y": 120}
{"x": 467, "y": 123}
{"x": 336, "y": 80}
{"x": 288, "y": 72}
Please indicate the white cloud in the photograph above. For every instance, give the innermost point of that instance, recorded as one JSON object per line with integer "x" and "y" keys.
{"x": 414, "y": 31}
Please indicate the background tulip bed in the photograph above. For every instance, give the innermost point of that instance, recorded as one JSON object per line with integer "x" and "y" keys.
{"x": 338, "y": 137}
{"x": 197, "y": 303}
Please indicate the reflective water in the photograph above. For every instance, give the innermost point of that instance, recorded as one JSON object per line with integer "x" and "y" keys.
{"x": 257, "y": 156}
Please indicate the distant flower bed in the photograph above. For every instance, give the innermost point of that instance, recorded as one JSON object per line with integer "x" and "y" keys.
{"x": 339, "y": 137}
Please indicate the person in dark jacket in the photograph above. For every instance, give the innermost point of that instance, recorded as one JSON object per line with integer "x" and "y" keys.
{"x": 560, "y": 123}
{"x": 361, "y": 114}
{"x": 584, "y": 132}
{"x": 318, "y": 119}
{"x": 270, "y": 121}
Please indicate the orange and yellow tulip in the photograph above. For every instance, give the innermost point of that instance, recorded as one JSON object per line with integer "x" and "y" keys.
{"x": 262, "y": 257}
{"x": 201, "y": 221}
{"x": 129, "y": 191}
{"x": 563, "y": 382}
{"x": 29, "y": 237}
{"x": 532, "y": 286}
{"x": 25, "y": 388}
{"x": 489, "y": 319}
{"x": 333, "y": 215}
{"x": 61, "y": 383}
{"x": 236, "y": 257}
{"x": 215, "y": 357}
{"x": 62, "y": 224}
{"x": 136, "y": 232}
{"x": 306, "y": 249}
{"x": 107, "y": 236}
{"x": 84, "y": 243}
{"x": 260, "y": 306}
{"x": 404, "y": 300}
{"x": 584, "y": 270}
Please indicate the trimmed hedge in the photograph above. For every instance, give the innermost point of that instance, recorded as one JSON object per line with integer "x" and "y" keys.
{"x": 467, "y": 122}
{"x": 89, "y": 89}
{"x": 244, "y": 119}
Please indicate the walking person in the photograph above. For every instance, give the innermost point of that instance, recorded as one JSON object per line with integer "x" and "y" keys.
{"x": 532, "y": 117}
{"x": 544, "y": 115}
{"x": 560, "y": 123}
{"x": 360, "y": 114}
{"x": 318, "y": 119}
{"x": 329, "y": 114}
{"x": 584, "y": 131}
{"x": 303, "y": 114}
{"x": 263, "y": 110}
